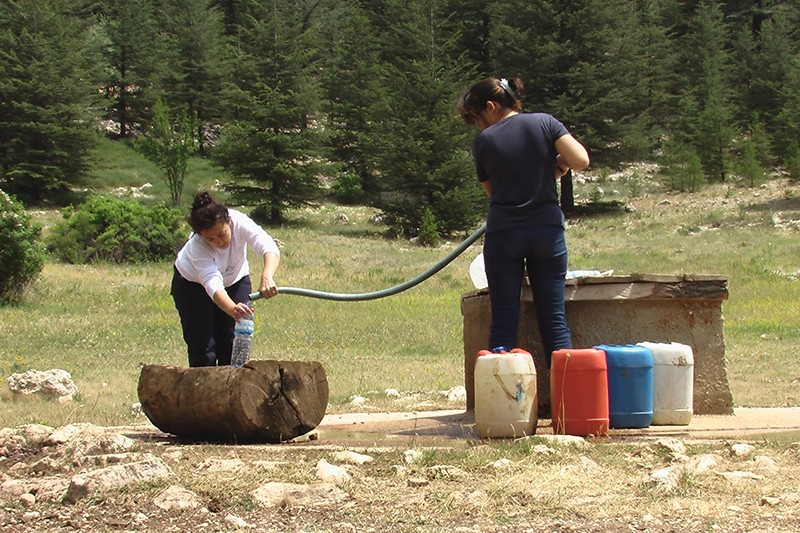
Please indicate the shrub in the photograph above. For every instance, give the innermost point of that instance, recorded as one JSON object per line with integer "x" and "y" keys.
{"x": 117, "y": 230}
{"x": 21, "y": 253}
{"x": 428, "y": 234}
{"x": 347, "y": 190}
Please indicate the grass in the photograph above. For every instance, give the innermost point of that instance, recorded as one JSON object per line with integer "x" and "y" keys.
{"x": 102, "y": 322}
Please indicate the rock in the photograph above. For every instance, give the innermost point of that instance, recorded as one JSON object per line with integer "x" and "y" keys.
{"x": 353, "y": 458}
{"x": 671, "y": 444}
{"x": 117, "y": 476}
{"x": 412, "y": 456}
{"x": 289, "y": 494}
{"x": 358, "y": 400}
{"x": 27, "y": 499}
{"x": 55, "y": 384}
{"x": 543, "y": 449}
{"x": 562, "y": 440}
{"x": 501, "y": 463}
{"x": 741, "y": 449}
{"x": 177, "y": 498}
{"x": 136, "y": 409}
{"x": 49, "y": 489}
{"x": 457, "y": 394}
{"x": 392, "y": 393}
{"x": 331, "y": 473}
{"x": 222, "y": 465}
{"x": 768, "y": 500}
{"x": 446, "y": 471}
{"x": 701, "y": 464}
{"x": 48, "y": 466}
{"x": 417, "y": 482}
{"x": 737, "y": 476}
{"x": 235, "y": 521}
{"x": 764, "y": 463}
{"x": 82, "y": 432}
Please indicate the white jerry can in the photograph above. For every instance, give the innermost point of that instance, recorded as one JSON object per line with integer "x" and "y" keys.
{"x": 505, "y": 394}
{"x": 673, "y": 383}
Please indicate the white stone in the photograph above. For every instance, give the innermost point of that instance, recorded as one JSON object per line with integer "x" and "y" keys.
{"x": 562, "y": 440}
{"x": 353, "y": 458}
{"x": 275, "y": 494}
{"x": 331, "y": 473}
{"x": 177, "y": 498}
{"x": 672, "y": 444}
{"x": 117, "y": 476}
{"x": 412, "y": 456}
{"x": 457, "y": 394}
{"x": 740, "y": 449}
{"x": 55, "y": 384}
{"x": 392, "y": 393}
{"x": 358, "y": 400}
{"x": 27, "y": 499}
{"x": 216, "y": 464}
{"x": 764, "y": 463}
{"x": 235, "y": 521}
{"x": 737, "y": 476}
{"x": 543, "y": 449}
{"x": 502, "y": 463}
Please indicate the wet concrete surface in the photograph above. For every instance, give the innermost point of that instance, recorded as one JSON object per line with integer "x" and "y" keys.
{"x": 457, "y": 427}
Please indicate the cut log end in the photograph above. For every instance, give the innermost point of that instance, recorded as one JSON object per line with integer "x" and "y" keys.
{"x": 263, "y": 402}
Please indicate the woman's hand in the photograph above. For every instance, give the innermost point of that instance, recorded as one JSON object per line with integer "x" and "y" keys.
{"x": 561, "y": 166}
{"x": 268, "y": 288}
{"x": 240, "y": 311}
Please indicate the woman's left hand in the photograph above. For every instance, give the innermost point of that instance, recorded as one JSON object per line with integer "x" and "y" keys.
{"x": 268, "y": 288}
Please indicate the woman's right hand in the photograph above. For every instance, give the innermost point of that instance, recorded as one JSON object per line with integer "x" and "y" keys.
{"x": 240, "y": 311}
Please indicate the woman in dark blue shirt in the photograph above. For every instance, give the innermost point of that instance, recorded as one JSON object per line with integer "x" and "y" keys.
{"x": 518, "y": 157}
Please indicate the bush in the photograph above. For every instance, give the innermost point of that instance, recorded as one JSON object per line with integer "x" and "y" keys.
{"x": 21, "y": 254}
{"x": 347, "y": 190}
{"x": 428, "y": 234}
{"x": 117, "y": 230}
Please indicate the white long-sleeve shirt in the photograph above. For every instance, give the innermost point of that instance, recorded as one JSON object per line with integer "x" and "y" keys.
{"x": 217, "y": 268}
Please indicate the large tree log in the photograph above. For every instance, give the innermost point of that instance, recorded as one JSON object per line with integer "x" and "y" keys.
{"x": 263, "y": 402}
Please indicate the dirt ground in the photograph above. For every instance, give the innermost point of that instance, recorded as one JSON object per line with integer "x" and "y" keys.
{"x": 429, "y": 474}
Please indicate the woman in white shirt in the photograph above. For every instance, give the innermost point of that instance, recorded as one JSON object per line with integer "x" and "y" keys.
{"x": 211, "y": 283}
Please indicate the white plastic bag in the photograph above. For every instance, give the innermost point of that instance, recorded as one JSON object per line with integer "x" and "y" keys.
{"x": 477, "y": 272}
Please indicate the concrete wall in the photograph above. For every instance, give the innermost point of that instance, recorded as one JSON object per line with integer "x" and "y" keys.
{"x": 622, "y": 310}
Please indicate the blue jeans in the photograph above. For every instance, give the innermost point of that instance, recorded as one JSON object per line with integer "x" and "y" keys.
{"x": 207, "y": 329}
{"x": 506, "y": 254}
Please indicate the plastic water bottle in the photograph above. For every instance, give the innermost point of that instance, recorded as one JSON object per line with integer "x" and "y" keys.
{"x": 242, "y": 340}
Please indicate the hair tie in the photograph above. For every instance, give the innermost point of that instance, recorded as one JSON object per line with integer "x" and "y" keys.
{"x": 203, "y": 199}
{"x": 506, "y": 87}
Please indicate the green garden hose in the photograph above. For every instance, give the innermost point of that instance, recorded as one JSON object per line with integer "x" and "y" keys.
{"x": 359, "y": 297}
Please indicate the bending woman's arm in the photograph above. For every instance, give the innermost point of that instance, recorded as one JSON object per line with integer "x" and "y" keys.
{"x": 268, "y": 288}
{"x": 571, "y": 155}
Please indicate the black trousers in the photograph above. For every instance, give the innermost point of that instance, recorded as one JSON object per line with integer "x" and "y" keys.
{"x": 207, "y": 330}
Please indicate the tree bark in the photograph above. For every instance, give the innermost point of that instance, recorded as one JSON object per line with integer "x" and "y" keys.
{"x": 263, "y": 402}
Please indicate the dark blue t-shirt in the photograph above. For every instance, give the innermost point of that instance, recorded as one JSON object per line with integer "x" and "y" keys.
{"x": 518, "y": 157}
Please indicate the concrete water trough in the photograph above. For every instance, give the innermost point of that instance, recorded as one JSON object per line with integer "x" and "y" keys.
{"x": 622, "y": 310}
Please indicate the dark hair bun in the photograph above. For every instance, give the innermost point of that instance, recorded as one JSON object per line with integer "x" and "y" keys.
{"x": 201, "y": 200}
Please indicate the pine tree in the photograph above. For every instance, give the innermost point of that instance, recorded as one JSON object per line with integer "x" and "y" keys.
{"x": 712, "y": 128}
{"x": 47, "y": 70}
{"x": 136, "y": 61}
{"x": 200, "y": 63}
{"x": 353, "y": 87}
{"x": 419, "y": 148}
{"x": 273, "y": 148}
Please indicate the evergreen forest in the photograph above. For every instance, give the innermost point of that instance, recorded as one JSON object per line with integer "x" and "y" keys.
{"x": 356, "y": 98}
